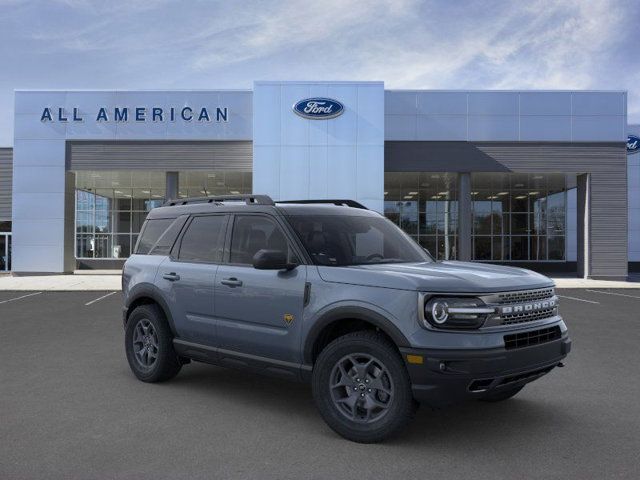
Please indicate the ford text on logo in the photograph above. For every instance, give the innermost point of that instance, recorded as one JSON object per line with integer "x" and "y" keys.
{"x": 633, "y": 144}
{"x": 318, "y": 108}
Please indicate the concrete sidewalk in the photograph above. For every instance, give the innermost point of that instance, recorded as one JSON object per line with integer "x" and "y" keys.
{"x": 109, "y": 280}
{"x": 80, "y": 281}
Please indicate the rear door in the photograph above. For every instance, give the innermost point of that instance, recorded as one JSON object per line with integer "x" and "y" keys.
{"x": 187, "y": 277}
{"x": 259, "y": 312}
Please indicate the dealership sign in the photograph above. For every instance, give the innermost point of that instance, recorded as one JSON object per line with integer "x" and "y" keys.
{"x": 318, "y": 108}
{"x": 136, "y": 114}
{"x": 633, "y": 144}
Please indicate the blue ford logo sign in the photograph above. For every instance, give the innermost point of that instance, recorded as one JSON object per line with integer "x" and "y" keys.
{"x": 318, "y": 108}
{"x": 633, "y": 144}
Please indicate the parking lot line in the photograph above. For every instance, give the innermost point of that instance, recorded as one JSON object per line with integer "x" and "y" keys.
{"x": 614, "y": 293}
{"x": 578, "y": 299}
{"x": 18, "y": 298}
{"x": 99, "y": 298}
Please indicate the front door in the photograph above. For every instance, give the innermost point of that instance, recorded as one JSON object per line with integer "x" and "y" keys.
{"x": 259, "y": 312}
{"x": 187, "y": 278}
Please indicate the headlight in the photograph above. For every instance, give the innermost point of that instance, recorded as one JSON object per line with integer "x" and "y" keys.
{"x": 456, "y": 312}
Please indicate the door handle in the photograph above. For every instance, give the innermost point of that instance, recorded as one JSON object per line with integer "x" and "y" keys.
{"x": 172, "y": 277}
{"x": 231, "y": 282}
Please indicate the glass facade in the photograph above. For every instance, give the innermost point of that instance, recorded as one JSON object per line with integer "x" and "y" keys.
{"x": 518, "y": 217}
{"x": 111, "y": 206}
{"x": 208, "y": 184}
{"x": 110, "y": 209}
{"x": 515, "y": 217}
{"x": 425, "y": 206}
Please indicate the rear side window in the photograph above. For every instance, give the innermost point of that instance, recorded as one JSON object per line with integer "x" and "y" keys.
{"x": 151, "y": 232}
{"x": 204, "y": 239}
{"x": 167, "y": 239}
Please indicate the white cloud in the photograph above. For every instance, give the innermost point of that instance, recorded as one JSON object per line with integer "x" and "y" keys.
{"x": 497, "y": 44}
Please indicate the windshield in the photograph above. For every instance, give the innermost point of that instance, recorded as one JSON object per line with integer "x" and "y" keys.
{"x": 343, "y": 240}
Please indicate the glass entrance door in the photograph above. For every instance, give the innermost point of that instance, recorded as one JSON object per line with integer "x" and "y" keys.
{"x": 5, "y": 252}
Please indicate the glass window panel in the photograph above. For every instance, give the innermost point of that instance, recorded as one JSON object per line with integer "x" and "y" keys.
{"x": 84, "y": 246}
{"x": 497, "y": 222}
{"x": 498, "y": 249}
{"x": 122, "y": 222}
{"x": 102, "y": 222}
{"x": 482, "y": 223}
{"x": 482, "y": 248}
{"x": 556, "y": 248}
{"x": 84, "y": 200}
{"x": 152, "y": 232}
{"x": 137, "y": 219}
{"x": 446, "y": 247}
{"x": 519, "y": 201}
{"x": 428, "y": 242}
{"x": 538, "y": 248}
{"x": 251, "y": 234}
{"x": 519, "y": 223}
{"x": 520, "y": 248}
{"x": 428, "y": 224}
{"x": 121, "y": 246}
{"x": 84, "y": 222}
{"x": 102, "y": 245}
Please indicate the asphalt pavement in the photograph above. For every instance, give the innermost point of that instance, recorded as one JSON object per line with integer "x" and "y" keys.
{"x": 70, "y": 408}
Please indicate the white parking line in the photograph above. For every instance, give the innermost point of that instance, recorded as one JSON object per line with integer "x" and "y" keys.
{"x": 578, "y": 299}
{"x": 613, "y": 293}
{"x": 99, "y": 298}
{"x": 23, "y": 296}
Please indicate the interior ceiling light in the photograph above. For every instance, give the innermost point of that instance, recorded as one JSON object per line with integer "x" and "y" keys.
{"x": 234, "y": 192}
{"x": 503, "y": 193}
{"x": 521, "y": 197}
{"x": 413, "y": 193}
{"x": 443, "y": 193}
{"x": 534, "y": 193}
{"x": 519, "y": 185}
{"x": 408, "y": 197}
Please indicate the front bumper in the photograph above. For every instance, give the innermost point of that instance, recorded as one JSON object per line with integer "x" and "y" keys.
{"x": 449, "y": 376}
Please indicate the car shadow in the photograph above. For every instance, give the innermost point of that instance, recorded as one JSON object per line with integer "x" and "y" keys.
{"x": 472, "y": 421}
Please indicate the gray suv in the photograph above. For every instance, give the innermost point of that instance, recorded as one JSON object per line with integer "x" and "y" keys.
{"x": 329, "y": 292}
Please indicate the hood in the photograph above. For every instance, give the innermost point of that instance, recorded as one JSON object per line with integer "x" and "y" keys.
{"x": 453, "y": 277}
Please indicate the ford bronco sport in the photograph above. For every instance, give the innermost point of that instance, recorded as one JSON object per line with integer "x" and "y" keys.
{"x": 330, "y": 292}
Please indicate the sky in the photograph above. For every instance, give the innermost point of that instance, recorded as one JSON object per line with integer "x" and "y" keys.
{"x": 440, "y": 44}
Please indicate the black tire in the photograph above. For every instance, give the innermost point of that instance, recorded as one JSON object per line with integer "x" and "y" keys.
{"x": 393, "y": 379}
{"x": 501, "y": 395}
{"x": 166, "y": 363}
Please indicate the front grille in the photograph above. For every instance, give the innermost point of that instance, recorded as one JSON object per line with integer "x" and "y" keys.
{"x": 534, "y": 337}
{"x": 513, "y": 318}
{"x": 525, "y": 296}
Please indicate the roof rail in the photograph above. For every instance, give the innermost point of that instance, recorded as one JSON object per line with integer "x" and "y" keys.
{"x": 248, "y": 199}
{"x": 348, "y": 203}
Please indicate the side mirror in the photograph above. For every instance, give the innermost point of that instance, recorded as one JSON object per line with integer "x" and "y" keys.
{"x": 272, "y": 260}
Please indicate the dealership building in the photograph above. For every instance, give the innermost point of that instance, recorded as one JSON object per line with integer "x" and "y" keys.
{"x": 548, "y": 180}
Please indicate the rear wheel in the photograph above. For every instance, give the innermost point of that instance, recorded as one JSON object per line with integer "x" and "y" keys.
{"x": 149, "y": 345}
{"x": 361, "y": 387}
{"x": 501, "y": 395}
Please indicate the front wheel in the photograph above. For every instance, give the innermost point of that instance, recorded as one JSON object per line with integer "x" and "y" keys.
{"x": 361, "y": 387}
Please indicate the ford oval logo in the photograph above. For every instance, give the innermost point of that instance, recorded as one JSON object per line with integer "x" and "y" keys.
{"x": 633, "y": 144}
{"x": 318, "y": 108}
